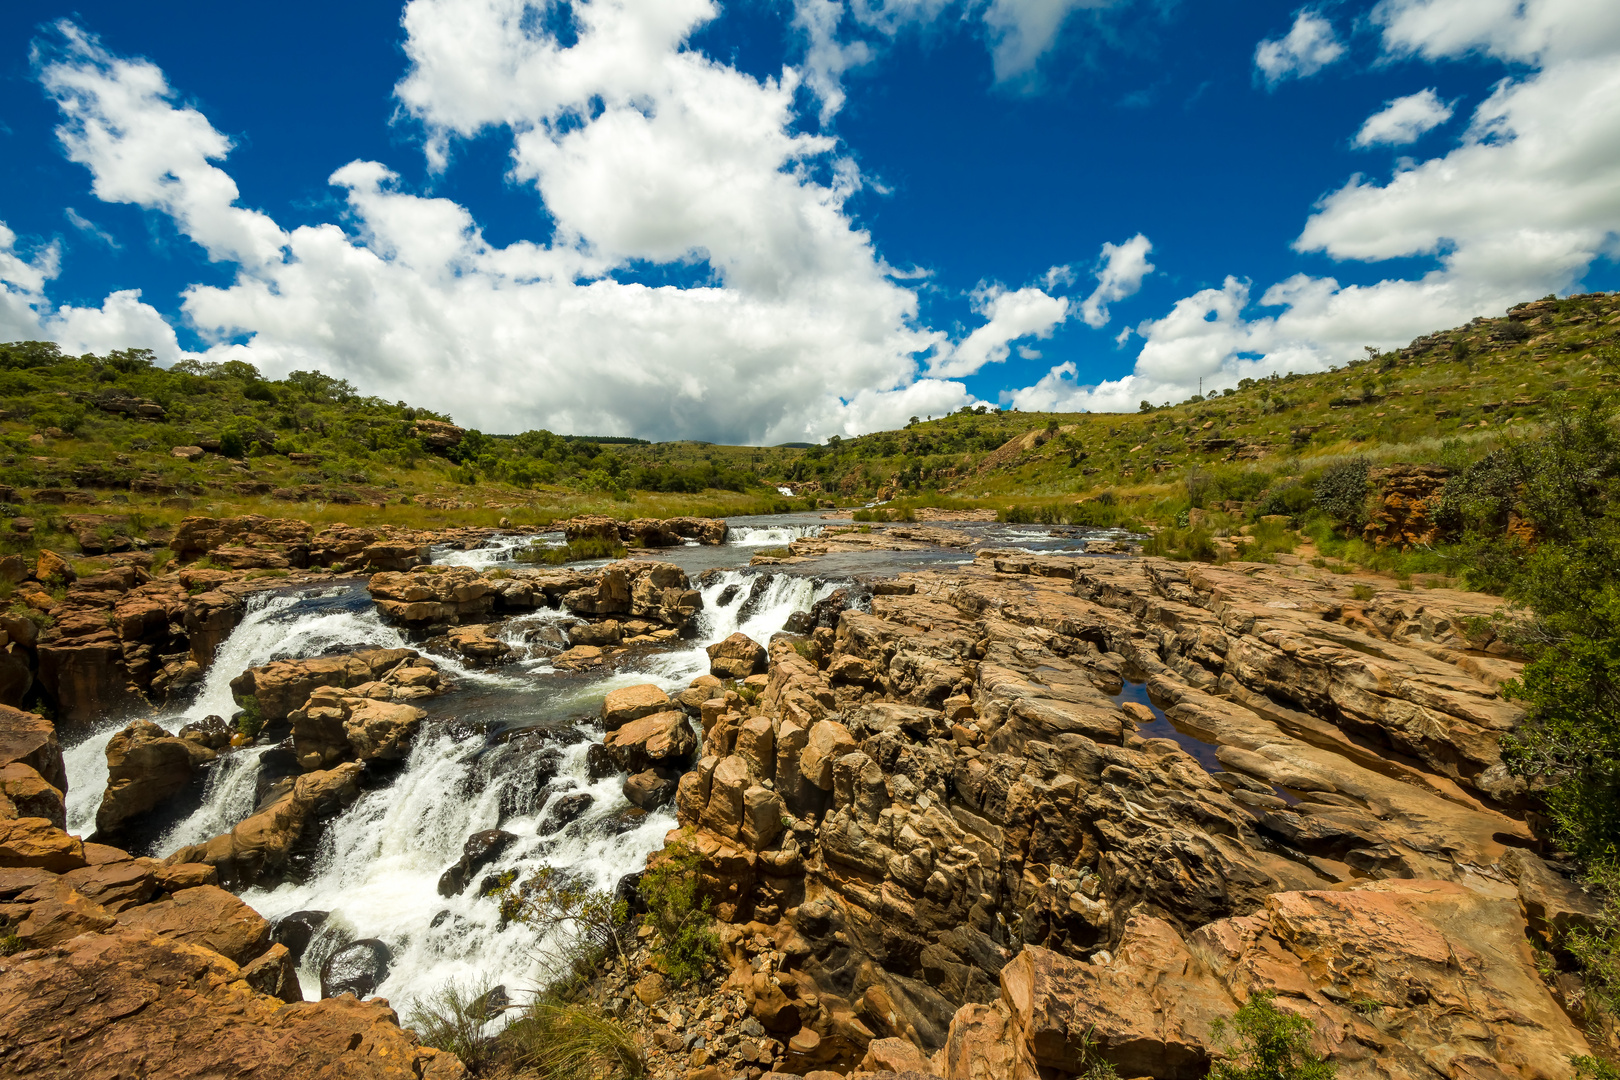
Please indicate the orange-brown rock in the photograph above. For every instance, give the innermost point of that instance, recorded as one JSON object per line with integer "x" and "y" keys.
{"x": 258, "y": 847}
{"x": 30, "y": 739}
{"x": 336, "y": 724}
{"x": 133, "y": 1003}
{"x": 658, "y": 739}
{"x": 206, "y": 915}
{"x": 632, "y": 703}
{"x": 1407, "y": 505}
{"x": 282, "y": 686}
{"x": 737, "y": 657}
{"x": 146, "y": 766}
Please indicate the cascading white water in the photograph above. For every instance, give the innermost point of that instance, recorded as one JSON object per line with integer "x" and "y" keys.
{"x": 768, "y": 535}
{"x": 379, "y": 862}
{"x": 276, "y": 626}
{"x": 495, "y": 551}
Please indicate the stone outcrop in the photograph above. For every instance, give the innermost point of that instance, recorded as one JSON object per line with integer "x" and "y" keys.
{"x": 647, "y": 590}
{"x": 958, "y": 777}
{"x": 737, "y": 657}
{"x": 125, "y": 962}
{"x": 1396, "y": 976}
{"x": 1406, "y": 504}
{"x": 146, "y": 766}
{"x": 282, "y": 686}
{"x": 337, "y": 724}
{"x": 257, "y": 849}
{"x": 449, "y": 595}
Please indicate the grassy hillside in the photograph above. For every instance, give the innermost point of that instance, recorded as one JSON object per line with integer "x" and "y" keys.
{"x": 85, "y": 431}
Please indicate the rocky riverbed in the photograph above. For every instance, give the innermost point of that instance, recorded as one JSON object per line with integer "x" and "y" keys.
{"x": 960, "y": 808}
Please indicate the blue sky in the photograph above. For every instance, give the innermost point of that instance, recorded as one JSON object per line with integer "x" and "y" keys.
{"x": 762, "y": 221}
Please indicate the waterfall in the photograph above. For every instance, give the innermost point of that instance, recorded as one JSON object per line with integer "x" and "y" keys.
{"x": 495, "y": 551}
{"x": 378, "y": 863}
{"x": 769, "y": 535}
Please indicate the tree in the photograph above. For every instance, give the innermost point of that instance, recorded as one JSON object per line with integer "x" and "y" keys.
{"x": 1146, "y": 406}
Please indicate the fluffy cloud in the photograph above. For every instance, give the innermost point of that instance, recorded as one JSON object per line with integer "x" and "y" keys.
{"x": 1021, "y": 32}
{"x": 1027, "y": 312}
{"x": 1119, "y": 275}
{"x": 1404, "y": 120}
{"x": 641, "y": 149}
{"x": 1521, "y": 206}
{"x": 1309, "y": 46}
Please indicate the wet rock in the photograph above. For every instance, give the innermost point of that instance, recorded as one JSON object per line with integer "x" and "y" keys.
{"x": 663, "y": 738}
{"x": 494, "y": 1001}
{"x": 146, "y": 766}
{"x": 632, "y": 703}
{"x": 296, "y": 930}
{"x": 357, "y": 968}
{"x": 648, "y": 590}
{"x": 566, "y": 809}
{"x": 481, "y": 849}
{"x": 599, "y": 763}
{"x": 210, "y": 731}
{"x": 605, "y": 632}
{"x": 274, "y": 973}
{"x": 478, "y": 642}
{"x": 624, "y": 821}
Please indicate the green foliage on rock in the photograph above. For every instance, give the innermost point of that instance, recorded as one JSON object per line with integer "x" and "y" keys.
{"x": 676, "y": 908}
{"x": 1263, "y": 1042}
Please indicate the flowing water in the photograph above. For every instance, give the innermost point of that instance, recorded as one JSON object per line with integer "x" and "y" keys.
{"x": 506, "y": 748}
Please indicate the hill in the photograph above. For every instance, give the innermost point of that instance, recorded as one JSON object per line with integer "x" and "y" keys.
{"x": 154, "y": 444}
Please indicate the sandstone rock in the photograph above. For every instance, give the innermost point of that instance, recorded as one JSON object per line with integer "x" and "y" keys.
{"x": 659, "y": 739}
{"x": 437, "y": 434}
{"x": 54, "y": 568}
{"x": 335, "y": 724}
{"x": 258, "y": 848}
{"x": 652, "y": 788}
{"x": 207, "y": 916}
{"x": 828, "y": 740}
{"x": 35, "y": 842}
{"x": 737, "y": 657}
{"x": 24, "y": 793}
{"x": 29, "y": 739}
{"x": 57, "y": 912}
{"x": 703, "y": 530}
{"x": 894, "y": 1055}
{"x": 632, "y": 703}
{"x": 274, "y": 973}
{"x": 650, "y": 989}
{"x": 284, "y": 685}
{"x": 146, "y": 766}
{"x": 477, "y": 642}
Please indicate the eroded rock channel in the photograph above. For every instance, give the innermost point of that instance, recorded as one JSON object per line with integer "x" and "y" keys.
{"x": 981, "y": 817}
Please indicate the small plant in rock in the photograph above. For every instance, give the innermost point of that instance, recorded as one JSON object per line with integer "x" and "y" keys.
{"x": 452, "y": 1019}
{"x": 575, "y": 926}
{"x": 1262, "y": 1042}
{"x": 572, "y": 1042}
{"x": 688, "y": 943}
{"x": 1361, "y": 591}
{"x": 250, "y": 721}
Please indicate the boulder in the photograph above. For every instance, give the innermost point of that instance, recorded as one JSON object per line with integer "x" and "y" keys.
{"x": 258, "y": 848}
{"x": 146, "y": 766}
{"x": 651, "y": 788}
{"x": 481, "y": 849}
{"x": 295, "y": 931}
{"x": 663, "y": 738}
{"x": 336, "y": 724}
{"x": 35, "y": 842}
{"x": 478, "y": 642}
{"x": 737, "y": 657}
{"x": 356, "y": 969}
{"x": 632, "y": 703}
{"x": 207, "y": 916}
{"x": 28, "y": 795}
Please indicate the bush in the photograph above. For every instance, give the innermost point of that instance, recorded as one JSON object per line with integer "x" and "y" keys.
{"x": 670, "y": 887}
{"x": 586, "y": 547}
{"x": 231, "y": 444}
{"x": 1341, "y": 494}
{"x": 572, "y": 1042}
{"x": 1294, "y": 499}
{"x": 575, "y": 926}
{"x": 452, "y": 1019}
{"x": 251, "y": 720}
{"x": 1262, "y": 1042}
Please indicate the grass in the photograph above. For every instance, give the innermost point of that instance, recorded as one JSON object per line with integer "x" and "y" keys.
{"x": 452, "y": 1019}
{"x": 572, "y": 1042}
{"x": 586, "y": 547}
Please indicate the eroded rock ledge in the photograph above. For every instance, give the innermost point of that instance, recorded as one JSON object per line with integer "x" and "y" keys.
{"x": 1142, "y": 789}
{"x": 130, "y": 967}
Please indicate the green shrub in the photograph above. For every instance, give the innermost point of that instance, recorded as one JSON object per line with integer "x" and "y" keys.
{"x": 572, "y": 1042}
{"x": 1262, "y": 1042}
{"x": 688, "y": 944}
{"x": 576, "y": 926}
{"x": 1341, "y": 493}
{"x": 251, "y": 722}
{"x": 586, "y": 547}
{"x": 452, "y": 1019}
{"x": 231, "y": 444}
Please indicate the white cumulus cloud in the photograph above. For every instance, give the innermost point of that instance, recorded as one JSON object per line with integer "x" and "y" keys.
{"x": 1404, "y": 120}
{"x": 1522, "y": 206}
{"x": 1309, "y": 46}
{"x": 641, "y": 149}
{"x": 1119, "y": 275}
